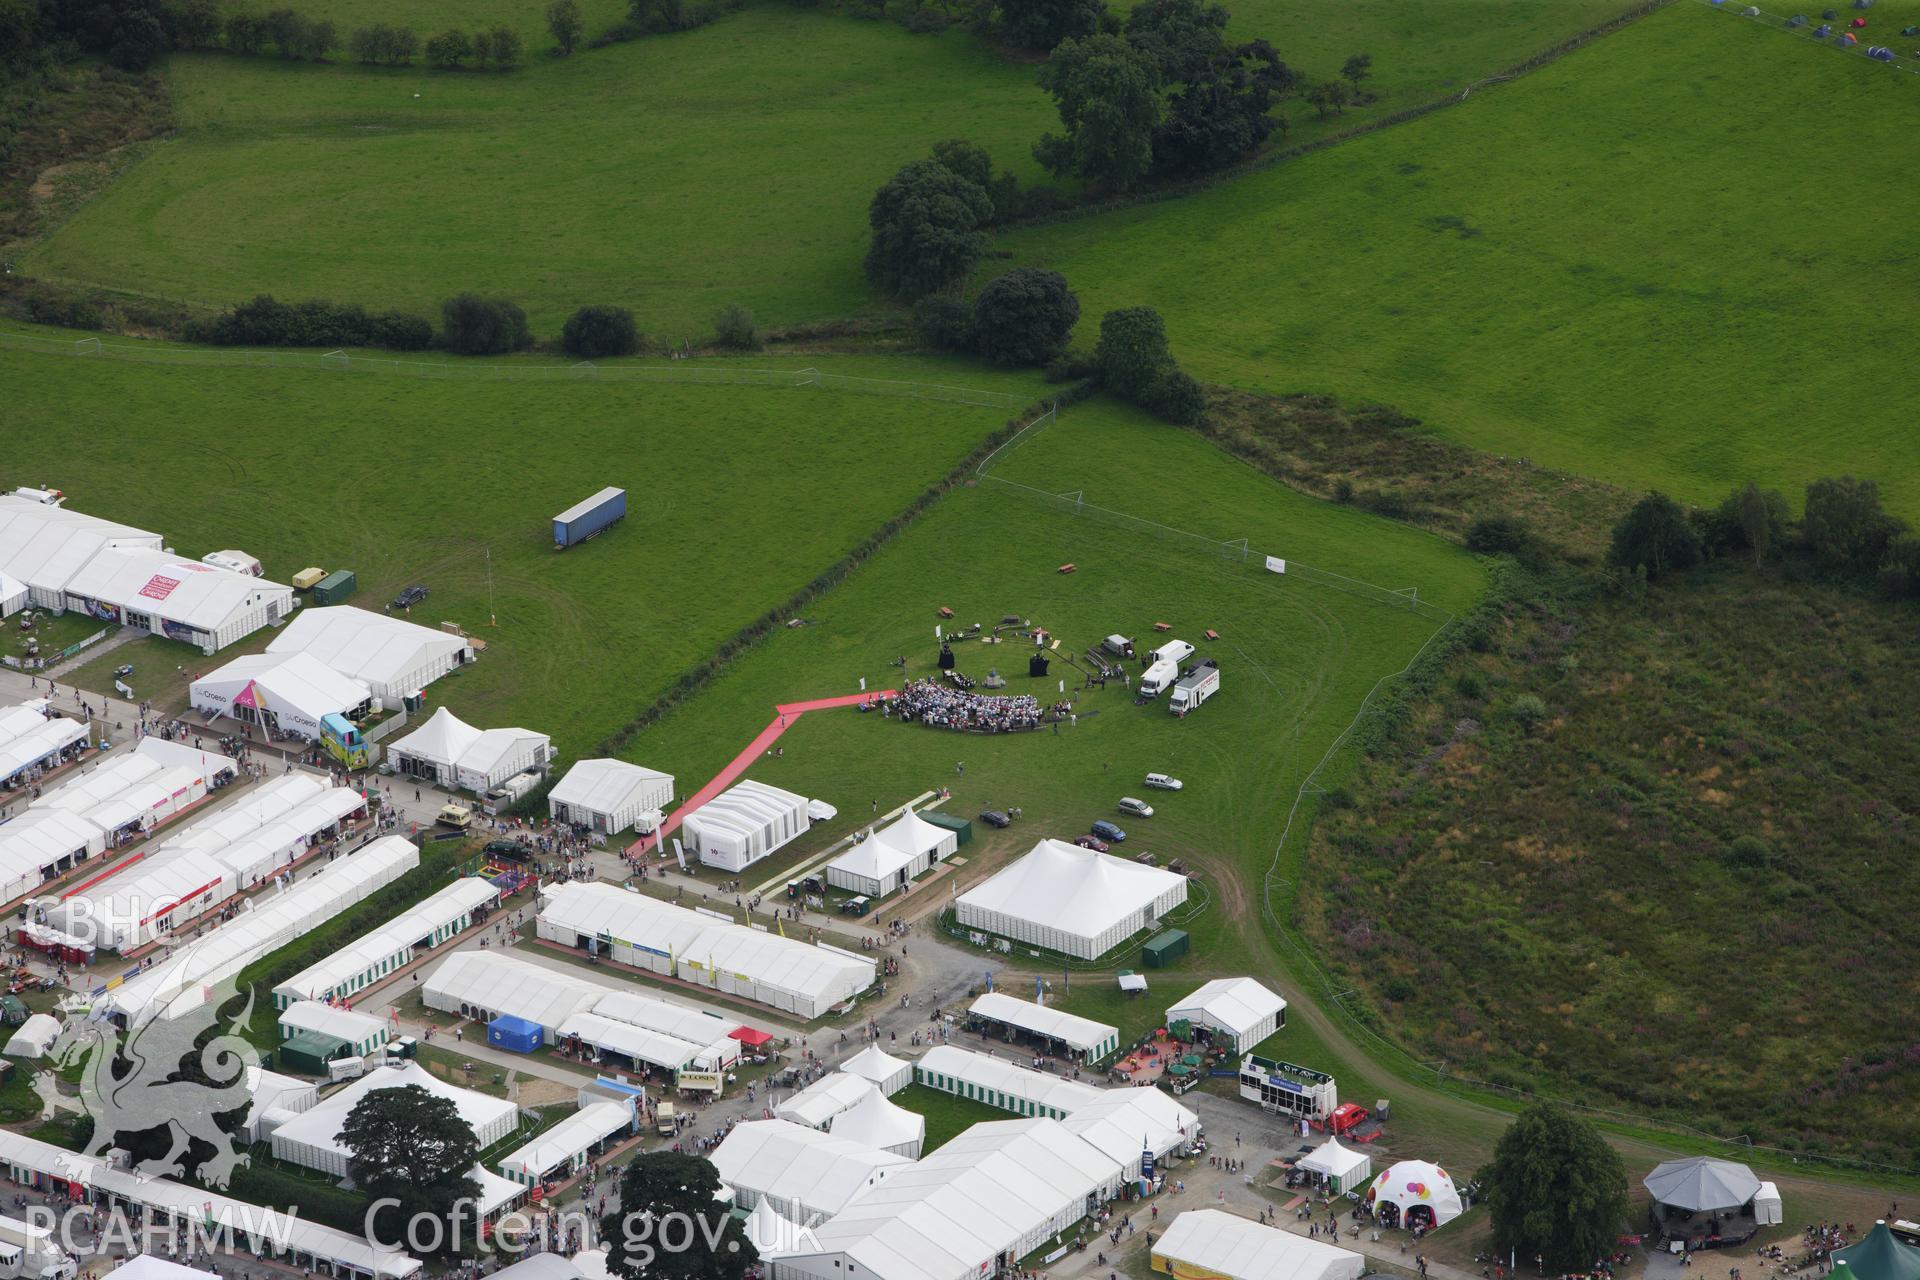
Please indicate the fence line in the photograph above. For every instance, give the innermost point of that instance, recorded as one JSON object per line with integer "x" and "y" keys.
{"x": 686, "y": 371}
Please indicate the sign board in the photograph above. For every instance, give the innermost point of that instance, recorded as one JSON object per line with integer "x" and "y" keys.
{"x": 1276, "y": 565}
{"x": 708, "y": 1080}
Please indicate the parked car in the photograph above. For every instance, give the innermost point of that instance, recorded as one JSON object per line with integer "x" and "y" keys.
{"x": 411, "y": 596}
{"x": 1108, "y": 832}
{"x": 1162, "y": 782}
{"x": 1138, "y": 808}
{"x": 995, "y": 818}
{"x": 1094, "y": 843}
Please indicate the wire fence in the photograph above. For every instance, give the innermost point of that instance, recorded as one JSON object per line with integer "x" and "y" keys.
{"x": 680, "y": 371}
{"x": 1837, "y": 33}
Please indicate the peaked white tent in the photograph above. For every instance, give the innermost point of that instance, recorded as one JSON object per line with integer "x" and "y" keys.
{"x": 891, "y": 856}
{"x": 609, "y": 795}
{"x": 290, "y": 692}
{"x": 816, "y": 1105}
{"x": 392, "y": 657}
{"x": 1345, "y": 1168}
{"x": 885, "y": 1072}
{"x": 744, "y": 824}
{"x": 1211, "y": 1242}
{"x": 802, "y": 1172}
{"x": 1072, "y": 900}
{"x": 885, "y": 1126}
{"x": 1238, "y": 1008}
{"x": 432, "y": 752}
{"x": 181, "y": 599}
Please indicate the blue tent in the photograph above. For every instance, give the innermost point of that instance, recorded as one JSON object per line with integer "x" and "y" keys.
{"x": 514, "y": 1034}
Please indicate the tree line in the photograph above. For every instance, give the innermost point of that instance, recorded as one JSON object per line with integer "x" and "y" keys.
{"x": 1843, "y": 534}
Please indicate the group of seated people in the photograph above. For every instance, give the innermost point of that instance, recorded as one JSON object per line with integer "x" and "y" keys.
{"x": 936, "y": 704}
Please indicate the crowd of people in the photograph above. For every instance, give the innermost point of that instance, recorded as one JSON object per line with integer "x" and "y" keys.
{"x": 929, "y": 702}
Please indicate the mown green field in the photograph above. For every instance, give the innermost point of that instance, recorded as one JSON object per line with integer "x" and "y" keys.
{"x": 1610, "y": 266}
{"x": 736, "y": 496}
{"x": 1296, "y": 657}
{"x": 672, "y": 175}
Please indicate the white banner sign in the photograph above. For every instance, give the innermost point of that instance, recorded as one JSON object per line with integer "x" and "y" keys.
{"x": 1276, "y": 565}
{"x": 679, "y": 853}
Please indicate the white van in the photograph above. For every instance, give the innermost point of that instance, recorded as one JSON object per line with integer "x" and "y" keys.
{"x": 1157, "y": 677}
{"x": 1174, "y": 651}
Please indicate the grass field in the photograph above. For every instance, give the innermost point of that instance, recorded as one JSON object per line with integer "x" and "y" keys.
{"x": 1296, "y": 657}
{"x": 737, "y": 494}
{"x": 671, "y": 175}
{"x": 1598, "y": 266}
{"x": 947, "y": 1115}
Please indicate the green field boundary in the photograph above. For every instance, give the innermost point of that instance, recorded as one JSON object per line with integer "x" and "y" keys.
{"x": 681, "y": 371}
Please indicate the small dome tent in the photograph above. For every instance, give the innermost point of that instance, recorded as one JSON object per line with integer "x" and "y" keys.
{"x": 1420, "y": 1193}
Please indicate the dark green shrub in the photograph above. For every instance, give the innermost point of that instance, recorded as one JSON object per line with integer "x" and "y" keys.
{"x": 593, "y": 333}
{"x": 477, "y": 326}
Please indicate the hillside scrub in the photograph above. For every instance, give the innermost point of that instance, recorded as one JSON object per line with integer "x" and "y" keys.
{"x": 1690, "y": 871}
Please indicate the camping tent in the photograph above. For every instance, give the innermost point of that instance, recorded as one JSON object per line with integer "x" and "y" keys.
{"x": 35, "y": 1037}
{"x": 1418, "y": 1189}
{"x": 1071, "y": 899}
{"x": 1701, "y": 1184}
{"x": 609, "y": 795}
{"x": 885, "y": 1072}
{"x": 882, "y": 1125}
{"x": 1343, "y": 1167}
{"x": 392, "y": 657}
{"x": 1209, "y": 1242}
{"x": 744, "y": 824}
{"x": 1240, "y": 1008}
{"x": 890, "y": 857}
{"x": 1877, "y": 1256}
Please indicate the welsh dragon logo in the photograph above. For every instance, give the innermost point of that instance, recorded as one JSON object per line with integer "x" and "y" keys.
{"x": 161, "y": 1075}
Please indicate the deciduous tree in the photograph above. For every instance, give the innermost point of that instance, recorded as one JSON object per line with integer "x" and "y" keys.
{"x": 1024, "y": 316}
{"x": 411, "y": 1147}
{"x": 1656, "y": 536}
{"x": 926, "y": 225}
{"x": 1554, "y": 1189}
{"x": 1108, "y": 95}
{"x": 565, "y": 24}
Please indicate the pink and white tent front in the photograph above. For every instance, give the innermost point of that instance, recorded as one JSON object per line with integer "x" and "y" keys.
{"x": 1418, "y": 1190}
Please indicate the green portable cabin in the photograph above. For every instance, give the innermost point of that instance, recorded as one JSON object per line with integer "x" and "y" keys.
{"x": 335, "y": 587}
{"x": 309, "y": 1052}
{"x": 1163, "y": 949}
{"x": 961, "y": 827}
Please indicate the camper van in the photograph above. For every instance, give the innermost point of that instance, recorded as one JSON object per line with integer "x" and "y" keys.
{"x": 1157, "y": 677}
{"x": 237, "y": 561}
{"x": 28, "y": 1252}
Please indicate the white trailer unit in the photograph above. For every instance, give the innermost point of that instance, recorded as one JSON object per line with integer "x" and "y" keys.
{"x": 1189, "y": 691}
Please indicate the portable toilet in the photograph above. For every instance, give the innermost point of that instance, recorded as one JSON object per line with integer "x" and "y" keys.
{"x": 335, "y": 587}
{"x": 516, "y": 1035}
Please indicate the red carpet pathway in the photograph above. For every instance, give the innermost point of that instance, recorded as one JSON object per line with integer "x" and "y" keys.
{"x": 787, "y": 714}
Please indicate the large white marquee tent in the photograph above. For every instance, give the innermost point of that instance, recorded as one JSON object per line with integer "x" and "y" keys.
{"x": 634, "y": 929}
{"x": 288, "y": 692}
{"x": 802, "y": 1172}
{"x": 1091, "y": 1040}
{"x": 184, "y": 980}
{"x": 816, "y": 1105}
{"x": 892, "y": 856}
{"x": 44, "y": 547}
{"x": 442, "y": 915}
{"x": 563, "y": 1150}
{"x": 312, "y": 1139}
{"x": 449, "y": 752}
{"x": 33, "y": 740}
{"x": 1000, "y": 1083}
{"x": 1238, "y": 1008}
{"x": 180, "y": 599}
{"x": 609, "y": 795}
{"x": 744, "y": 824}
{"x": 995, "y": 1193}
{"x": 1072, "y": 900}
{"x": 392, "y": 657}
{"x": 1215, "y": 1243}
{"x": 1124, "y": 1123}
{"x": 483, "y": 985}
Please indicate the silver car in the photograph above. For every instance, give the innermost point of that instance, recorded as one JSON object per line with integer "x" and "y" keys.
{"x": 1164, "y": 782}
{"x": 1138, "y": 808}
